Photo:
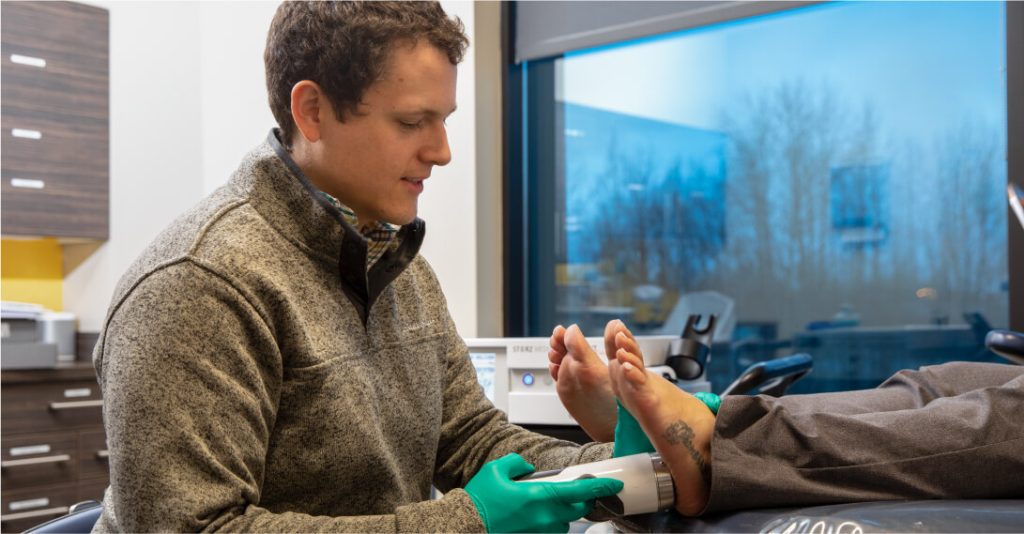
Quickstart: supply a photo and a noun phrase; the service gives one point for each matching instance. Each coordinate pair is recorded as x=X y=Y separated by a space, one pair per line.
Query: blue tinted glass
x=828 y=180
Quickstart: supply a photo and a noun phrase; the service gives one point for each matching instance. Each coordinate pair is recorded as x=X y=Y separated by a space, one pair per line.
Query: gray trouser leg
x=946 y=431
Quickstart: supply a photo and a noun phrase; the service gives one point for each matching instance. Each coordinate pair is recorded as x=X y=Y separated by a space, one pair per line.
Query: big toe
x=577 y=344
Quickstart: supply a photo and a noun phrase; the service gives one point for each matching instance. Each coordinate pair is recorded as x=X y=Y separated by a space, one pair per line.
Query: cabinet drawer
x=56 y=57
x=62 y=205
x=62 y=146
x=25 y=508
x=54 y=406
x=39 y=459
x=93 y=454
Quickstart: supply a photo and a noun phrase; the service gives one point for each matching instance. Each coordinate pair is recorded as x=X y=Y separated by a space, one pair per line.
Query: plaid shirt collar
x=380 y=236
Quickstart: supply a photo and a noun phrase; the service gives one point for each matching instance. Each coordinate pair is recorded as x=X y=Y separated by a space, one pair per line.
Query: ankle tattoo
x=680 y=433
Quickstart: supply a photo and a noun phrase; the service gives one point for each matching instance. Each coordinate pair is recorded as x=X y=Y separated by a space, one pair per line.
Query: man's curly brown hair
x=344 y=47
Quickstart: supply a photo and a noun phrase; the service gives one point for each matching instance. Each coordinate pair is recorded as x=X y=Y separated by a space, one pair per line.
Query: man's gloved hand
x=629 y=437
x=509 y=506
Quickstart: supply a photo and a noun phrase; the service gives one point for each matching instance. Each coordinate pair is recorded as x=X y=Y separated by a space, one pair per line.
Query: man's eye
x=411 y=125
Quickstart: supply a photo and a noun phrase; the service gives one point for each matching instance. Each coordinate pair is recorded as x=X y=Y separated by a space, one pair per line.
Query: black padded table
x=885 y=516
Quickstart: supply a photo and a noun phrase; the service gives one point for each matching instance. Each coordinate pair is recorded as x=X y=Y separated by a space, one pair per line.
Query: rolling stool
x=79 y=520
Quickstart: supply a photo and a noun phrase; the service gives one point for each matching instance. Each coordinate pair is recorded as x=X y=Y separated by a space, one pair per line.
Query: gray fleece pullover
x=257 y=378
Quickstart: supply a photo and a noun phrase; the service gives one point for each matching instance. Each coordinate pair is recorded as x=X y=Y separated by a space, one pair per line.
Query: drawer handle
x=28 y=60
x=103 y=455
x=28 y=450
x=58 y=510
x=25 y=133
x=77 y=392
x=27 y=183
x=72 y=405
x=55 y=459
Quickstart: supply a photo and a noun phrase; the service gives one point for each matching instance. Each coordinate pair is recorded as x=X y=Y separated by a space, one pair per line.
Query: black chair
x=1006 y=343
x=771 y=377
x=80 y=519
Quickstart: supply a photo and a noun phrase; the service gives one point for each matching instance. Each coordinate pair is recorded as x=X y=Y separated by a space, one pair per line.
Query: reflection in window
x=833 y=175
x=860 y=203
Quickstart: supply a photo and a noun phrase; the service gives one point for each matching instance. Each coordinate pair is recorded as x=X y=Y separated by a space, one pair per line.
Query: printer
x=33 y=337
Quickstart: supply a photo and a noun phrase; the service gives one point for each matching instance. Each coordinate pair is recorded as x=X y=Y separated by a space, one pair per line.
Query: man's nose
x=438 y=153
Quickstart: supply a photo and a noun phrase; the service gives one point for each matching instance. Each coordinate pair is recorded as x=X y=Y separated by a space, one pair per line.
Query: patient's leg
x=679 y=426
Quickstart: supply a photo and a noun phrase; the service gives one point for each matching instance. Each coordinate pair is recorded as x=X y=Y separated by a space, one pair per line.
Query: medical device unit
x=647 y=483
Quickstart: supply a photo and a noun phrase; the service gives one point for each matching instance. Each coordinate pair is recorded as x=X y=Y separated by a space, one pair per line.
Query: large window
x=828 y=179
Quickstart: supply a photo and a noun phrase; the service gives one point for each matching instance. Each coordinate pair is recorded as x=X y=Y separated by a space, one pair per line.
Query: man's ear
x=307 y=101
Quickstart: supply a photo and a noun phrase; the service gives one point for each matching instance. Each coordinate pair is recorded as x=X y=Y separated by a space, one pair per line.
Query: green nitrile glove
x=629 y=437
x=509 y=506
x=712 y=401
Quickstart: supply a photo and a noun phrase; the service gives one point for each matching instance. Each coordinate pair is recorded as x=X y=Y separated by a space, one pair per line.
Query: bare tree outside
x=968 y=241
x=786 y=143
x=798 y=153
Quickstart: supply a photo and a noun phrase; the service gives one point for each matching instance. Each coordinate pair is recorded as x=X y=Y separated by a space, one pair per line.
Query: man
x=281 y=358
x=942 y=432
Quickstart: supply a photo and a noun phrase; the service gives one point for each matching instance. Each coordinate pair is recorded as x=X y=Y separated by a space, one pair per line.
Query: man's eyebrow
x=429 y=112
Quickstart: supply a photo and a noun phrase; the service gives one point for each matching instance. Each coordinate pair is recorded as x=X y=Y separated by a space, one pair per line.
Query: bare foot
x=582 y=381
x=679 y=426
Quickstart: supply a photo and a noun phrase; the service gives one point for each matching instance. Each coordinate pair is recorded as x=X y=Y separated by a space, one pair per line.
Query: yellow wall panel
x=31 y=271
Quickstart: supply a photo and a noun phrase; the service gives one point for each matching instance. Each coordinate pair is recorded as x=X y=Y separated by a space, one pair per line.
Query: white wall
x=188 y=100
x=236 y=116
x=156 y=156
x=448 y=203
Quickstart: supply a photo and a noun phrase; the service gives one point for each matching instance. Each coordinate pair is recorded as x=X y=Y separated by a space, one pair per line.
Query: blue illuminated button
x=528 y=379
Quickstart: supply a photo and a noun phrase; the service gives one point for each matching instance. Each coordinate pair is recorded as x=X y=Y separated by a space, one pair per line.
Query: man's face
x=377 y=160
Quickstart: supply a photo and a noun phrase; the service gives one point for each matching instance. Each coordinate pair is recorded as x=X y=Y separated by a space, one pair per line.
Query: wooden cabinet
x=54 y=450
x=55 y=117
